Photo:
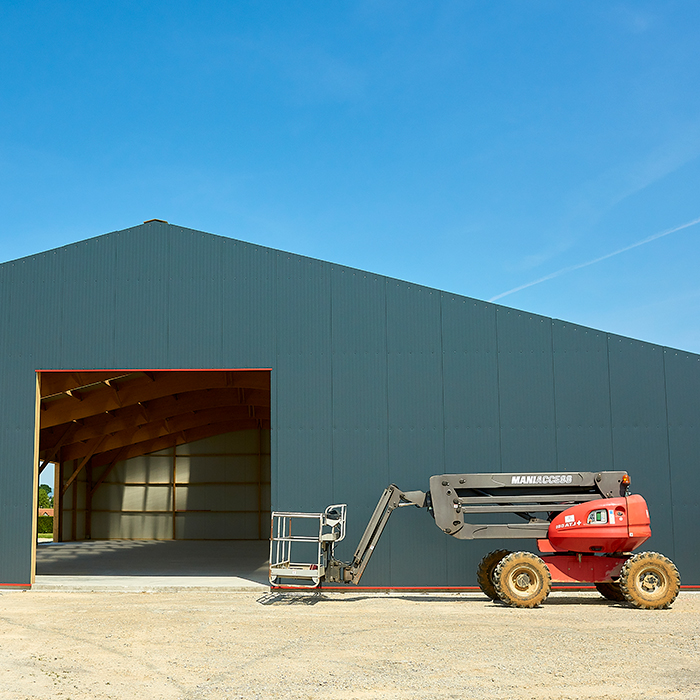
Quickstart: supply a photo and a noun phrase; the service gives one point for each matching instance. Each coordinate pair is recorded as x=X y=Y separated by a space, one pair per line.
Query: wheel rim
x=524 y=581
x=651 y=583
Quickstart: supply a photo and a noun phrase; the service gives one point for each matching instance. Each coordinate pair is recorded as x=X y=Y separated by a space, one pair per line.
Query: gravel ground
x=193 y=645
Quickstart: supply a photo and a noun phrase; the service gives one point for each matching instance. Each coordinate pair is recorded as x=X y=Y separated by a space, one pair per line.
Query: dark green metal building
x=372 y=380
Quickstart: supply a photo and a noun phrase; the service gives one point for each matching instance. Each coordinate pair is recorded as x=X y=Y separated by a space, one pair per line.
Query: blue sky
x=476 y=147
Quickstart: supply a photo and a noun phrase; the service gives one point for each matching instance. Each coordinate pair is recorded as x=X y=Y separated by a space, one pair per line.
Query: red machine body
x=605 y=525
x=582 y=568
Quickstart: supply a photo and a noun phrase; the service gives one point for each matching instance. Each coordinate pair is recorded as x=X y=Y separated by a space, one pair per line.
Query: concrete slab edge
x=107 y=588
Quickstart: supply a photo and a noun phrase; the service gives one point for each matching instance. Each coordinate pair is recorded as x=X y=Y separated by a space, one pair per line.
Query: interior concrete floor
x=152 y=565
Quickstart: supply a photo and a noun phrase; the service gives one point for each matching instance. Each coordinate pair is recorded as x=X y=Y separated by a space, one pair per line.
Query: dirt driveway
x=197 y=644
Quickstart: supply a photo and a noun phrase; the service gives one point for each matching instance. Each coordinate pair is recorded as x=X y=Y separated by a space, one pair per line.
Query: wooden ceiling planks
x=151 y=411
x=104 y=414
x=139 y=388
x=161 y=428
x=53 y=383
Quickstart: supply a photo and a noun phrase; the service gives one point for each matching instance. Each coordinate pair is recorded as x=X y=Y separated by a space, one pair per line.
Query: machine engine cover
x=604 y=525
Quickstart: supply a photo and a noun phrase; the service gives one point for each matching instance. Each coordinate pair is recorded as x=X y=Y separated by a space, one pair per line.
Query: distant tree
x=45 y=499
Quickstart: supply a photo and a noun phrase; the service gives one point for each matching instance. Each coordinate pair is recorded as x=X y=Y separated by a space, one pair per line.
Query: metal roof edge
x=235 y=241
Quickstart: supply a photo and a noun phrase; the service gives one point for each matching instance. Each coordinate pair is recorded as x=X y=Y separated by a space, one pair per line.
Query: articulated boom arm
x=390 y=500
x=454 y=496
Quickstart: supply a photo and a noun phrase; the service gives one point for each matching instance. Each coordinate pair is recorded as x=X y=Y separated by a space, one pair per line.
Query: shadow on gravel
x=573 y=599
x=291 y=599
x=297 y=598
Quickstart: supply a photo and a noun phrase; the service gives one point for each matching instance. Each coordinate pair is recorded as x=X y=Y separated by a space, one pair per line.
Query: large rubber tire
x=611 y=591
x=484 y=572
x=650 y=581
x=522 y=580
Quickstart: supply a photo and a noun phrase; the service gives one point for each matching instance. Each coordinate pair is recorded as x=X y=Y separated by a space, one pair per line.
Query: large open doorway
x=162 y=456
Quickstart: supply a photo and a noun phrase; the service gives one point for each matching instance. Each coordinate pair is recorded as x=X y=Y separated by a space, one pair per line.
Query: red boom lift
x=586 y=525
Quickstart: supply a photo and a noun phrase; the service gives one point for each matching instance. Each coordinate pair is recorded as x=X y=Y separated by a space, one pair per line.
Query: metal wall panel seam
x=62 y=315
x=195 y=272
x=554 y=397
x=222 y=312
x=442 y=385
x=386 y=394
x=446 y=570
x=498 y=388
x=527 y=408
x=88 y=292
x=612 y=420
x=641 y=445
x=331 y=359
x=114 y=301
x=274 y=390
x=582 y=397
x=668 y=451
x=359 y=404
x=168 y=314
x=274 y=394
x=303 y=367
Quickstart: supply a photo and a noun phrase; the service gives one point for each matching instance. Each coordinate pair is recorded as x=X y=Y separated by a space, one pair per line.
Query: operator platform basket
x=314 y=536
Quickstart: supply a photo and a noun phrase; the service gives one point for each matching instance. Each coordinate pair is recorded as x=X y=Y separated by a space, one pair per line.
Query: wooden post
x=88 y=502
x=58 y=502
x=260 y=514
x=74 y=512
x=173 y=489
x=35 y=473
x=56 y=499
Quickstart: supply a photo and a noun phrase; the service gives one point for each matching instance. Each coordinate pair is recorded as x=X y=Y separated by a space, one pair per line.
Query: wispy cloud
x=571 y=268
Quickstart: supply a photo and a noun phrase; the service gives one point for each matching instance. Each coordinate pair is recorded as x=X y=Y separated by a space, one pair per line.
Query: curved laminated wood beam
x=104 y=417
x=140 y=388
x=149 y=412
x=162 y=428
x=181 y=438
x=58 y=382
x=93 y=446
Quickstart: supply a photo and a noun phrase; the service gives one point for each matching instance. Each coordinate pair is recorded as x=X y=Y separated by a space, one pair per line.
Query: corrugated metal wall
x=373 y=380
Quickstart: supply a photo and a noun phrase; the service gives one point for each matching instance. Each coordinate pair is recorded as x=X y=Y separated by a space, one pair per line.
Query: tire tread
x=631 y=569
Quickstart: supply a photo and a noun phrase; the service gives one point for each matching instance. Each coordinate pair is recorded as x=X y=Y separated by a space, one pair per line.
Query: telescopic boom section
x=392 y=498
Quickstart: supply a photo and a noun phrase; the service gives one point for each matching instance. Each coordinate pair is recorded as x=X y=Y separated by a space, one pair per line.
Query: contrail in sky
x=597 y=260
